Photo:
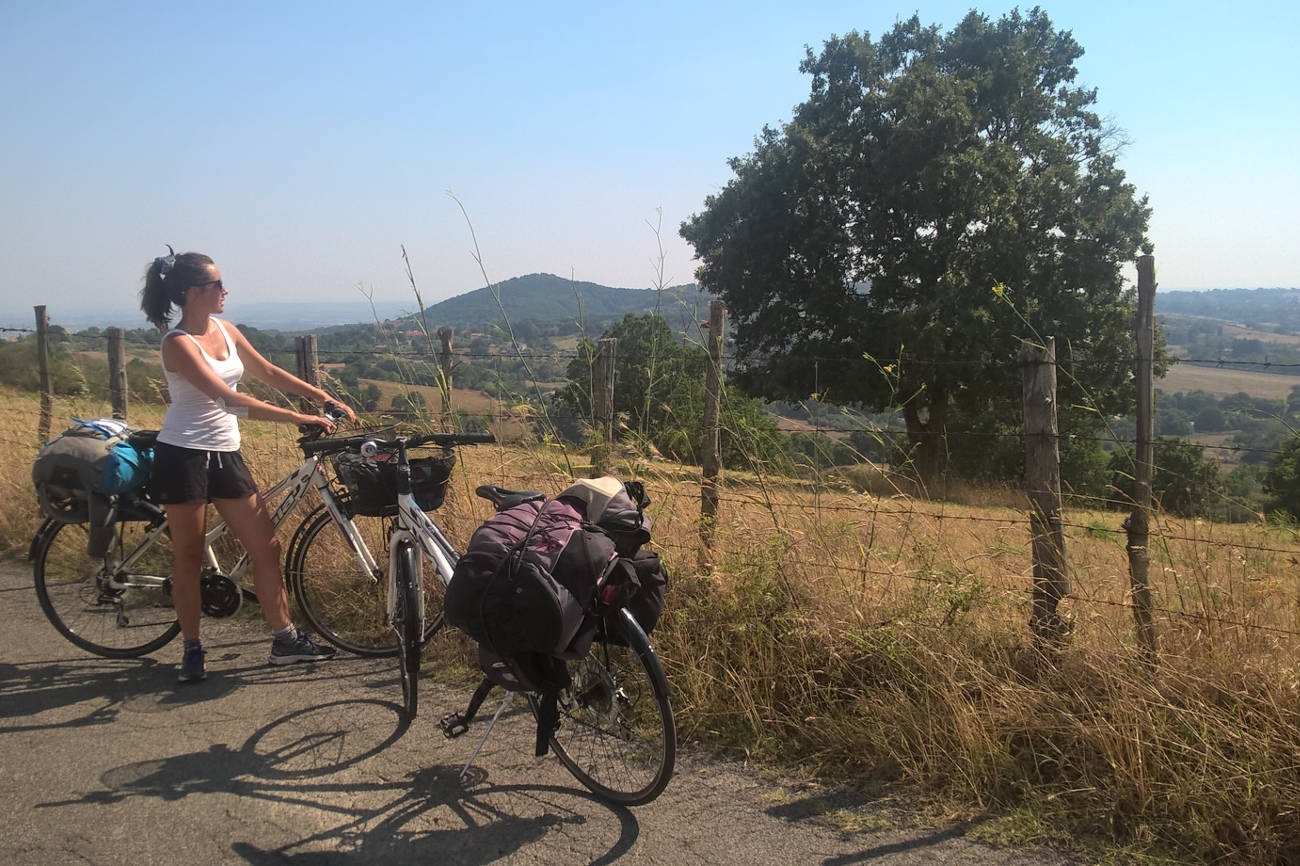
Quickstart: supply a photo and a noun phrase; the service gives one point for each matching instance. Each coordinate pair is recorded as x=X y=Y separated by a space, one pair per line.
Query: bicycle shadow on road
x=379 y=813
x=35 y=689
x=491 y=825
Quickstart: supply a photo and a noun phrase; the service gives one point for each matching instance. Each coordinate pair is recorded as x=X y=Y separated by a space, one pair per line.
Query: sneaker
x=299 y=649
x=192 y=667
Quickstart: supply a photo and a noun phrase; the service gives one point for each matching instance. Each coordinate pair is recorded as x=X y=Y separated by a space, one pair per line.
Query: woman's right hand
x=307 y=421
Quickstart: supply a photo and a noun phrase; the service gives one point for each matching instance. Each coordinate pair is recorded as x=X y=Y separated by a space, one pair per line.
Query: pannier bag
x=89 y=458
x=372 y=482
x=527 y=580
x=525 y=587
x=642 y=580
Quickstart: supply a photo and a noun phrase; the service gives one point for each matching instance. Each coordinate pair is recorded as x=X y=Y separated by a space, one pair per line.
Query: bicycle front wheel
x=407 y=625
x=75 y=595
x=342 y=601
x=616 y=732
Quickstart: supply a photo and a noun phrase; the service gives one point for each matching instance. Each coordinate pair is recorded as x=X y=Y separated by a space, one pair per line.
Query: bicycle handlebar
x=354 y=443
x=315 y=431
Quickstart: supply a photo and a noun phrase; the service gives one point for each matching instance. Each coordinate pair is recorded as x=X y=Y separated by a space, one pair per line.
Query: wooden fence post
x=117 y=372
x=1043 y=484
x=446 y=336
x=308 y=368
x=711 y=452
x=602 y=404
x=43 y=371
x=1138 y=524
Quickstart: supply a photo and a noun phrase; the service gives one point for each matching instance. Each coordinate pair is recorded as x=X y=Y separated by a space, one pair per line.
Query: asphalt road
x=110 y=762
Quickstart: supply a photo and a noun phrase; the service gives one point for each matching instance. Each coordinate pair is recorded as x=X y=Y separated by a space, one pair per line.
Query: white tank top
x=193 y=419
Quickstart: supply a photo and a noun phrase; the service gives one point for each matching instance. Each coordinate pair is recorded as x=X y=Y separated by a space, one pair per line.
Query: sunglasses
x=216 y=283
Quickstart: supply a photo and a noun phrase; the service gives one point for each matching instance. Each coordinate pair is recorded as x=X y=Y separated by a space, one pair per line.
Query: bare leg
x=187 y=525
x=251 y=524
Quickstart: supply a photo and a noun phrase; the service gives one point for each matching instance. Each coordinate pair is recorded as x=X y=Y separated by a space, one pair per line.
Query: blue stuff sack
x=127 y=468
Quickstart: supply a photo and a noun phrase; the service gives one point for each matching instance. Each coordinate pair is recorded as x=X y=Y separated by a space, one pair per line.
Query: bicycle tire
x=616 y=734
x=407 y=625
x=344 y=604
x=76 y=599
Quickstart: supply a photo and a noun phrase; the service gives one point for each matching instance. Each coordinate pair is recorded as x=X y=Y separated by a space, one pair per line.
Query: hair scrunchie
x=166 y=263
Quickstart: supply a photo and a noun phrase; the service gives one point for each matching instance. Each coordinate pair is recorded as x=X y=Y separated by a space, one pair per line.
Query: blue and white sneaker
x=299 y=649
x=192 y=666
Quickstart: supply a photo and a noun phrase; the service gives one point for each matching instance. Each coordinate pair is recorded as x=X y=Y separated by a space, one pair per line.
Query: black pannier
x=372 y=482
x=525 y=587
x=527 y=580
x=642 y=579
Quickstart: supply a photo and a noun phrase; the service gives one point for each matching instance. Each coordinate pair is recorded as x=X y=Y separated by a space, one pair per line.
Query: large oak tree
x=923 y=170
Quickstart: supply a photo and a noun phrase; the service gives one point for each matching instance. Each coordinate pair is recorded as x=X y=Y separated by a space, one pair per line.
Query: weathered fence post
x=1043 y=484
x=117 y=372
x=308 y=367
x=711 y=451
x=446 y=336
x=602 y=404
x=1138 y=524
x=43 y=371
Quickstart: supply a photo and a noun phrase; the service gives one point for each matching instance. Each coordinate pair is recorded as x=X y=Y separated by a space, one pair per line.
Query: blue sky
x=301 y=144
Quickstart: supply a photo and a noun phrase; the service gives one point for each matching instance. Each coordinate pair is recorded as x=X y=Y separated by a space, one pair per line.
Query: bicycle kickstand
x=505 y=702
x=455 y=724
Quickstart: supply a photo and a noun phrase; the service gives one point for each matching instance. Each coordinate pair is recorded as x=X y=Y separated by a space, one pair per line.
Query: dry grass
x=882 y=640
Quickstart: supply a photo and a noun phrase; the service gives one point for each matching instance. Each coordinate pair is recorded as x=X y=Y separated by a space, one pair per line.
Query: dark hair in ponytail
x=165 y=282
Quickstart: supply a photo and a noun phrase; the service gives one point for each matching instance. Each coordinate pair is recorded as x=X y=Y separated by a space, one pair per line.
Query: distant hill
x=540 y=298
x=544 y=298
x=1275 y=310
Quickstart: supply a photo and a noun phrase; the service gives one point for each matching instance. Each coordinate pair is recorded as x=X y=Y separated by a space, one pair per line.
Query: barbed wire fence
x=815 y=495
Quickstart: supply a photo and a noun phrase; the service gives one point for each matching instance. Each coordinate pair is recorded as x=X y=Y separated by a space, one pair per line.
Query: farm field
x=1241 y=332
x=473 y=402
x=1222 y=381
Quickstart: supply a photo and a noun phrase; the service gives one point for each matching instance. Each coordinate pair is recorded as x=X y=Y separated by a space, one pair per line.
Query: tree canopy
x=858 y=247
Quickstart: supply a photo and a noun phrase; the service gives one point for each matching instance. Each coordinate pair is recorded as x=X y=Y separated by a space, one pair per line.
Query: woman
x=197 y=457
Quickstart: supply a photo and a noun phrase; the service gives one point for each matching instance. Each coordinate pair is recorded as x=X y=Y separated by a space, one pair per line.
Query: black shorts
x=188 y=475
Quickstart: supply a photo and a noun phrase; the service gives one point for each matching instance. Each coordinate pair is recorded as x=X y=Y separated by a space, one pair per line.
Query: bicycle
x=615 y=730
x=616 y=733
x=340 y=601
x=119 y=605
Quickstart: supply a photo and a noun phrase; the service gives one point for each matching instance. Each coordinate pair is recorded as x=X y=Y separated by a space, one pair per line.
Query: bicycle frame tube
x=292 y=488
x=434 y=544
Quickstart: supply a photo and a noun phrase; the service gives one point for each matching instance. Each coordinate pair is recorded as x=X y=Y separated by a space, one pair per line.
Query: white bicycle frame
x=411 y=524
x=293 y=488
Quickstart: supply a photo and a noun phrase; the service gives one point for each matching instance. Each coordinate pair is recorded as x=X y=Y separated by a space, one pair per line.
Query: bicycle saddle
x=505 y=499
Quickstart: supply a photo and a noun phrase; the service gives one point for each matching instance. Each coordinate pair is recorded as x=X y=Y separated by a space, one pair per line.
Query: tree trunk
x=926 y=437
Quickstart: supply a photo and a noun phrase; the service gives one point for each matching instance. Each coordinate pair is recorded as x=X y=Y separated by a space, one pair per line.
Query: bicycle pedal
x=453 y=725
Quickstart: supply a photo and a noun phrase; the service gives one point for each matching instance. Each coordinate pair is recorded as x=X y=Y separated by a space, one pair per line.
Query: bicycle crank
x=221 y=595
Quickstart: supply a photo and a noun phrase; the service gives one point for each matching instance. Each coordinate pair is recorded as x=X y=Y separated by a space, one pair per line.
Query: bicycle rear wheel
x=343 y=603
x=616 y=733
x=407 y=625
x=76 y=597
